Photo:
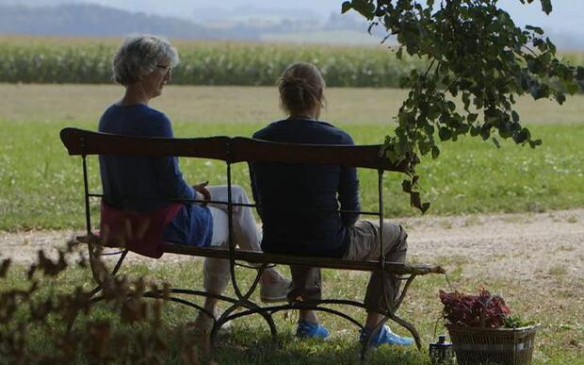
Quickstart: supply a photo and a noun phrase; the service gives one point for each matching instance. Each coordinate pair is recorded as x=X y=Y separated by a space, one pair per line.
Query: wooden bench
x=236 y=150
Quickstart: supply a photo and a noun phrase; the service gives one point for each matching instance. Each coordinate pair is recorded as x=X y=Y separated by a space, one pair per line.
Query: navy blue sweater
x=310 y=194
x=147 y=183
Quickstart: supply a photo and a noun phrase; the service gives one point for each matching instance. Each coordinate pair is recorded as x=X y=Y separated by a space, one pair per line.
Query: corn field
x=88 y=61
x=62 y=60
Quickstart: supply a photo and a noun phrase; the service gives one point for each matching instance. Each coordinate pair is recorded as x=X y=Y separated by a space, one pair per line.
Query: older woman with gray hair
x=143 y=65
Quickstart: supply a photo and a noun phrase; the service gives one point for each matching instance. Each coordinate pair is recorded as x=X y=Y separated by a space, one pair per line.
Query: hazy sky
x=567 y=16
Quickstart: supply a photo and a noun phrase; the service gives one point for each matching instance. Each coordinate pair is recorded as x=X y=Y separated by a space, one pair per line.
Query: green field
x=471 y=176
x=41 y=188
x=249 y=341
x=87 y=61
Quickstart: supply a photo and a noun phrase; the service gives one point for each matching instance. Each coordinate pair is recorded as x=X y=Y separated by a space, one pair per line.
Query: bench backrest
x=231 y=150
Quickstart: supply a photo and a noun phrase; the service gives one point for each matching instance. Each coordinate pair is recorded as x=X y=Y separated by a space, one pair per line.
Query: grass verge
x=559 y=341
x=42 y=186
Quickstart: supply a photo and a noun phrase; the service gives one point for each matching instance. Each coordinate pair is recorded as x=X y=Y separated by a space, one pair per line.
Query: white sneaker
x=276 y=291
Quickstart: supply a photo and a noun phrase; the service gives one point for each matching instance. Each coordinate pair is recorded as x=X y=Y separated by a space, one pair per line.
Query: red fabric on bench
x=139 y=232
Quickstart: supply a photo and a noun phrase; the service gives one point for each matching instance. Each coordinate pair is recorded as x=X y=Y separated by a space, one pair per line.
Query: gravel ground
x=527 y=247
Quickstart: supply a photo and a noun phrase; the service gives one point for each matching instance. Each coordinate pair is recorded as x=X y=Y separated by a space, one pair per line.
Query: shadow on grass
x=247 y=346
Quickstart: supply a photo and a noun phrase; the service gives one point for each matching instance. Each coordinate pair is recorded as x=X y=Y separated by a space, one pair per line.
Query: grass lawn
x=249 y=341
x=41 y=188
x=470 y=176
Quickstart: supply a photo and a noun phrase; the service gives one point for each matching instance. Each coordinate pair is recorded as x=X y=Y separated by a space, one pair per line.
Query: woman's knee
x=403 y=237
x=396 y=235
x=238 y=193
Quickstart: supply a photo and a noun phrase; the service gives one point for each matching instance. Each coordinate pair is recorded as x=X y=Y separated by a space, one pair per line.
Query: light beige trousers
x=245 y=234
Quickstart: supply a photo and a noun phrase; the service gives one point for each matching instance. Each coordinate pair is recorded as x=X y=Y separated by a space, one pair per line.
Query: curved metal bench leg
x=224 y=318
x=403 y=293
x=245 y=302
x=410 y=327
x=96 y=273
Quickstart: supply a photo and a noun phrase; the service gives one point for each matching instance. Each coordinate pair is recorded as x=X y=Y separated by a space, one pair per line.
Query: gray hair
x=139 y=55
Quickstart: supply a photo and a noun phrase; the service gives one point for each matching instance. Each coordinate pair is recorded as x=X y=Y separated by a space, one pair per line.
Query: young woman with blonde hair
x=315 y=227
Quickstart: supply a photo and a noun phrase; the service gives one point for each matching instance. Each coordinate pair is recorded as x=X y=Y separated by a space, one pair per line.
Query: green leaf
x=445 y=134
x=425 y=207
x=346 y=7
x=580 y=73
x=540 y=91
x=546 y=6
x=573 y=88
x=466 y=100
x=534 y=144
x=485 y=133
x=407 y=186
x=536 y=30
x=521 y=136
x=415 y=199
x=496 y=142
x=435 y=152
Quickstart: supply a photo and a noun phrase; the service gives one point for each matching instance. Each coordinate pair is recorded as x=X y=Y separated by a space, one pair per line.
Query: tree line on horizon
x=97 y=20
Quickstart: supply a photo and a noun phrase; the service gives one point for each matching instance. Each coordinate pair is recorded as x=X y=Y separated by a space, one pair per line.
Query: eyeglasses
x=167 y=69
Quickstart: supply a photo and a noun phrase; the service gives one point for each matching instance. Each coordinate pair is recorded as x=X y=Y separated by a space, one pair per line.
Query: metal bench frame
x=234 y=150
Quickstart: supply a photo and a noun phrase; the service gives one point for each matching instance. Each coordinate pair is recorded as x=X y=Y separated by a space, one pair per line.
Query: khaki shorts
x=364 y=244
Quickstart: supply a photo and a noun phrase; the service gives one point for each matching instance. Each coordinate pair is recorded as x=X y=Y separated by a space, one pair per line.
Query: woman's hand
x=202 y=189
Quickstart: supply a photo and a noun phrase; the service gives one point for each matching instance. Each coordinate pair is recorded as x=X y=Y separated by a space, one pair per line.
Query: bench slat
x=267 y=258
x=364 y=156
x=82 y=142
x=324 y=262
x=239 y=149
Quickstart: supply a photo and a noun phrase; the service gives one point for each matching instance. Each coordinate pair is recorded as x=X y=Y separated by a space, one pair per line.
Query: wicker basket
x=472 y=345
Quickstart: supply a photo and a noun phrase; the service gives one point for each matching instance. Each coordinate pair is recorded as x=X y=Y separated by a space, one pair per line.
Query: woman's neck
x=313 y=115
x=302 y=116
x=135 y=94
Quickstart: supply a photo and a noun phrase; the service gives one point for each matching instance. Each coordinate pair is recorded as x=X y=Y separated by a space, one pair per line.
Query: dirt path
x=526 y=247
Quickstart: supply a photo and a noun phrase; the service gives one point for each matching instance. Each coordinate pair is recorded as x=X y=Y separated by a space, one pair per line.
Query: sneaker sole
x=273 y=300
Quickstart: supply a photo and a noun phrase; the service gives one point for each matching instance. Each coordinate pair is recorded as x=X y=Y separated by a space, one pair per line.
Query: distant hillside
x=83 y=19
x=250 y=23
x=95 y=20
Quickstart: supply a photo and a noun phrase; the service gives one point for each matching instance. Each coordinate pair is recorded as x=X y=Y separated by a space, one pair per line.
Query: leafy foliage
x=27 y=312
x=478 y=56
x=517 y=322
x=483 y=310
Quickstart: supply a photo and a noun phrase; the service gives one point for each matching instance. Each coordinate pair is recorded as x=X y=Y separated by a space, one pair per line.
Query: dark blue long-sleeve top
x=148 y=183
x=299 y=202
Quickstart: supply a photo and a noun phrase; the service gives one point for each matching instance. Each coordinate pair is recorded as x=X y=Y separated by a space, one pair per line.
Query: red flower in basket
x=483 y=310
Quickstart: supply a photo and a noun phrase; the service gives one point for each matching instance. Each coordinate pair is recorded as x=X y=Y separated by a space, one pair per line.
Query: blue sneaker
x=311 y=330
x=385 y=336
